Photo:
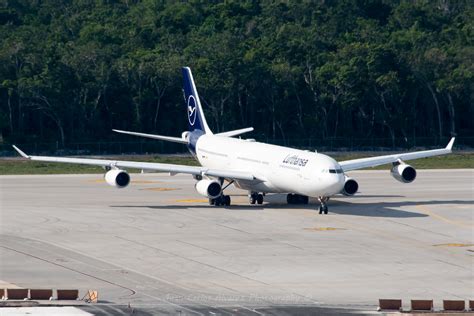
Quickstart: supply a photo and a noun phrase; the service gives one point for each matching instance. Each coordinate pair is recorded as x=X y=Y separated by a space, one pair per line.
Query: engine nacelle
x=185 y=135
x=403 y=173
x=117 y=178
x=350 y=187
x=209 y=188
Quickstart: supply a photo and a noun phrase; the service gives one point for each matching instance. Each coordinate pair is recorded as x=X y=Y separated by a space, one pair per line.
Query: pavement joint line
x=420 y=228
x=207 y=249
x=426 y=211
x=205 y=264
x=385 y=234
x=193 y=260
x=104 y=280
x=100 y=279
x=174 y=304
x=454 y=245
x=70 y=269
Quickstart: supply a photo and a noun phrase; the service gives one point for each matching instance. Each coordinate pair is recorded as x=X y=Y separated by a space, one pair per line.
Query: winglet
x=450 y=144
x=21 y=152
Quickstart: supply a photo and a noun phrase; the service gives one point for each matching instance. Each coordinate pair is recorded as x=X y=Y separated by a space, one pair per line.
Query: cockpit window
x=332 y=171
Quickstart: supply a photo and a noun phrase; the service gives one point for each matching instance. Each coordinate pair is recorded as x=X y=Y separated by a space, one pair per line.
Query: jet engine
x=117 y=178
x=185 y=135
x=209 y=188
x=350 y=187
x=403 y=173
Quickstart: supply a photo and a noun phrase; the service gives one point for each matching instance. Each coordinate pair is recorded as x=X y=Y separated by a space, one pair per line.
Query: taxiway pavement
x=158 y=246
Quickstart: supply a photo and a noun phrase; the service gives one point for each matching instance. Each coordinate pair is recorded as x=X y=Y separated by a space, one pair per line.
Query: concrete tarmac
x=160 y=248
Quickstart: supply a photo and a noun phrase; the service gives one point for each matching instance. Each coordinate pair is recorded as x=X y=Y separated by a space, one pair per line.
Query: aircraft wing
x=171 y=168
x=382 y=160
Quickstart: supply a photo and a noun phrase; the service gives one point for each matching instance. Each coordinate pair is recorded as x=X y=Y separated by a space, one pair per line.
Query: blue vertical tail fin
x=196 y=118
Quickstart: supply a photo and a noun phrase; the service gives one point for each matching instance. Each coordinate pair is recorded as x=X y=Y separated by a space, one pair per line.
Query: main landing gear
x=255 y=197
x=323 y=208
x=221 y=200
x=297 y=199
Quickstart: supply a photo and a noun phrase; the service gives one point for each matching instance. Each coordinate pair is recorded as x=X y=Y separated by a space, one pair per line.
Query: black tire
x=218 y=201
x=325 y=209
x=260 y=199
x=252 y=200
x=290 y=199
x=211 y=202
x=226 y=200
x=321 y=210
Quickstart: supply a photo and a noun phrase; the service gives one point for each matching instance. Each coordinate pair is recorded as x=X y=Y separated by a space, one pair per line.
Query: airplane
x=259 y=168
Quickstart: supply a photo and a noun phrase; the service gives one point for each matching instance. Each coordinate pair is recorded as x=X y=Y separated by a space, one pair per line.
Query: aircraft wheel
x=226 y=200
x=290 y=199
x=304 y=200
x=253 y=196
x=260 y=199
x=252 y=200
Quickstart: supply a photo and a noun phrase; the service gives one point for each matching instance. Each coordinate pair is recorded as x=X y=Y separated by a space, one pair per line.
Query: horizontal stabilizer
x=235 y=132
x=160 y=137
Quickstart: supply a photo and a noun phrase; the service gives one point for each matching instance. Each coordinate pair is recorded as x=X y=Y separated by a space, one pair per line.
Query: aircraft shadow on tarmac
x=386 y=209
x=369 y=209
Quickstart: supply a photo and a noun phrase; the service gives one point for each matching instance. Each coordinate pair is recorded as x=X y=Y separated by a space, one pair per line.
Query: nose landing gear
x=323 y=208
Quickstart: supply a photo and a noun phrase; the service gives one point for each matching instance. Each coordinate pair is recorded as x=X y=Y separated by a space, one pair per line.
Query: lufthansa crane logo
x=191 y=110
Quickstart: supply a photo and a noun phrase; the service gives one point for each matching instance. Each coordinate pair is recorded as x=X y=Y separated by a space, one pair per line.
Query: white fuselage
x=282 y=169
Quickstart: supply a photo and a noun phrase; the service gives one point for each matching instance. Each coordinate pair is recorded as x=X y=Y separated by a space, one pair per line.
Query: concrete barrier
x=68 y=294
x=421 y=305
x=17 y=294
x=41 y=294
x=454 y=305
x=390 y=304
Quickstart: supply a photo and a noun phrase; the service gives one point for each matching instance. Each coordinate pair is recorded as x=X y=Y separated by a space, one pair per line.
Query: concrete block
x=41 y=294
x=17 y=294
x=68 y=294
x=421 y=305
x=390 y=304
x=454 y=305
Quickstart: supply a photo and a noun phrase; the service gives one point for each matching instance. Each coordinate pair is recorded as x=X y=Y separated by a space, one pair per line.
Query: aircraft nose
x=339 y=182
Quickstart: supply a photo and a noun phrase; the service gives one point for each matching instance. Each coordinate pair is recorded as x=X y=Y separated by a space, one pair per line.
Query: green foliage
x=71 y=71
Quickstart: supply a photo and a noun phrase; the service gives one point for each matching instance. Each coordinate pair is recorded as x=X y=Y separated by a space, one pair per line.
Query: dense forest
x=72 y=70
